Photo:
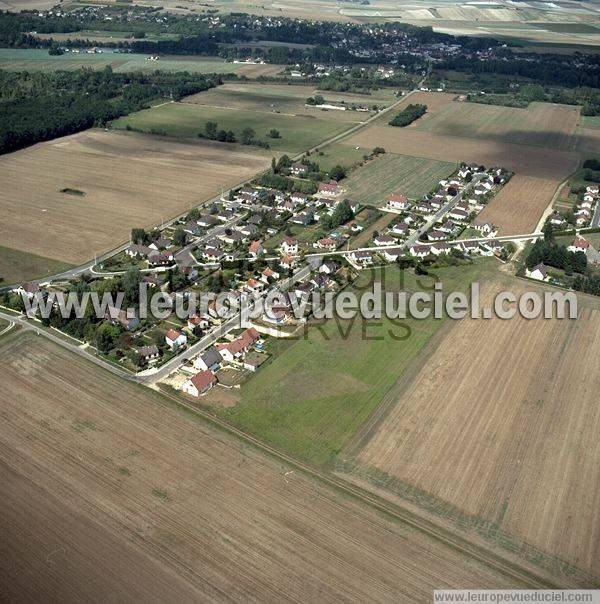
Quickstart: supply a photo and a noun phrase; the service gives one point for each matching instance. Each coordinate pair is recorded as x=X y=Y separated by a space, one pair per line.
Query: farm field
x=288 y=99
x=311 y=398
x=435 y=101
x=298 y=133
x=522 y=159
x=113 y=491
x=541 y=124
x=128 y=181
x=25 y=59
x=17 y=266
x=510 y=455
x=518 y=207
x=391 y=173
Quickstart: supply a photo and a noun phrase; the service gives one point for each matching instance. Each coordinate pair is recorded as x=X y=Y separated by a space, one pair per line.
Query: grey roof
x=211 y=356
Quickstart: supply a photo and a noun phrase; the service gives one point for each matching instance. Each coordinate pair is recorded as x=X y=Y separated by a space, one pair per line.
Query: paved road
x=153 y=375
x=596 y=217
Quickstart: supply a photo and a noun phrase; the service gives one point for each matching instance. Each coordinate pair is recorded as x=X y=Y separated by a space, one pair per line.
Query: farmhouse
x=201 y=383
x=175 y=339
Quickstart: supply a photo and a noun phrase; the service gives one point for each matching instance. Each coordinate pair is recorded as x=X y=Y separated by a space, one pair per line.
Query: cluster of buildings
x=585 y=210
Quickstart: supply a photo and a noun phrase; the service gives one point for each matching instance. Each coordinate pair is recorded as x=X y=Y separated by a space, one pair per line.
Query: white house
x=539 y=273
x=289 y=246
x=201 y=383
x=175 y=339
x=398 y=202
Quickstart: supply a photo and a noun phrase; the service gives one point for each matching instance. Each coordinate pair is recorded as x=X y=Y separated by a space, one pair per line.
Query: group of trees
x=212 y=132
x=342 y=214
x=42 y=106
x=408 y=115
x=548 y=252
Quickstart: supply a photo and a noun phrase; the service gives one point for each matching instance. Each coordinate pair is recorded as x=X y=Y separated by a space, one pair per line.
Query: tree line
x=43 y=106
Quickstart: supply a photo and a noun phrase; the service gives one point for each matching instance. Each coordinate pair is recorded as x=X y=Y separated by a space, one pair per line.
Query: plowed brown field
x=110 y=492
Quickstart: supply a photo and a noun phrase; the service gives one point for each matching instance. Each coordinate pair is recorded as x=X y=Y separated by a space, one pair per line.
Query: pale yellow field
x=128 y=181
x=517 y=208
x=500 y=427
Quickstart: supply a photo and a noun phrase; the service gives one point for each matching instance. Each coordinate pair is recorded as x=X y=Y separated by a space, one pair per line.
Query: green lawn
x=340 y=154
x=590 y=120
x=315 y=394
x=391 y=173
x=17 y=266
x=186 y=120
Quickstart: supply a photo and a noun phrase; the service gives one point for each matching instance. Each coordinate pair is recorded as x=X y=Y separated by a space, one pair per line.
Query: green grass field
x=18 y=59
x=17 y=266
x=342 y=154
x=391 y=173
x=590 y=121
x=315 y=394
x=290 y=99
x=187 y=120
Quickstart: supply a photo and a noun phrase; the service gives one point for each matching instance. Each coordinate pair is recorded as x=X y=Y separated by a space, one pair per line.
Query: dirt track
x=225 y=520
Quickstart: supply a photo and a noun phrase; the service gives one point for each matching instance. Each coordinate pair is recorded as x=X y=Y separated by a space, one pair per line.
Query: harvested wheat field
x=540 y=124
x=518 y=207
x=498 y=432
x=522 y=159
x=114 y=182
x=113 y=489
x=435 y=102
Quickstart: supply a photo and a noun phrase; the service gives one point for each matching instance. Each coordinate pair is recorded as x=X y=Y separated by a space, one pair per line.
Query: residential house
x=120 y=315
x=207 y=221
x=487 y=229
x=362 y=257
x=398 y=202
x=391 y=254
x=435 y=235
x=148 y=354
x=298 y=198
x=175 y=339
x=329 y=268
x=400 y=229
x=420 y=251
x=299 y=169
x=139 y=251
x=268 y=275
x=327 y=243
x=303 y=218
x=380 y=240
x=200 y=384
x=579 y=244
x=236 y=349
x=458 y=214
x=27 y=289
x=441 y=248
x=288 y=261
x=252 y=286
x=191 y=227
x=289 y=245
x=209 y=360
x=256 y=249
x=539 y=273
x=329 y=189
x=198 y=322
x=160 y=259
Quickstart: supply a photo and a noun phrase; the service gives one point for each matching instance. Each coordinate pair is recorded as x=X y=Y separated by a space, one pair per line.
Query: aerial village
x=254 y=240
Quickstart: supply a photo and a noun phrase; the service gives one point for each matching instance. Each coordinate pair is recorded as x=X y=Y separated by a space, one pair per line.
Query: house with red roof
x=200 y=384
